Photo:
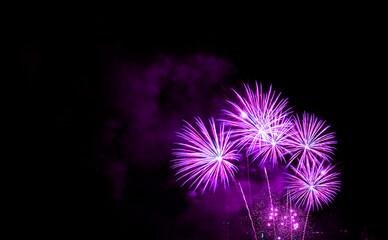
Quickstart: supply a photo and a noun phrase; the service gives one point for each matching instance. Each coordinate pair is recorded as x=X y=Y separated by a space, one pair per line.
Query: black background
x=327 y=64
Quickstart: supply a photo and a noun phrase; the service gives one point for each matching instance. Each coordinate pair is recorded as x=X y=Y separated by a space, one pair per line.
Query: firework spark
x=259 y=122
x=288 y=220
x=311 y=186
x=205 y=157
x=310 y=140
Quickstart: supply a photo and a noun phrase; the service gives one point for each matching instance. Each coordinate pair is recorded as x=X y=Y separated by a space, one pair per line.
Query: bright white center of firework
x=244 y=115
x=311 y=187
x=219 y=158
x=307 y=147
x=323 y=172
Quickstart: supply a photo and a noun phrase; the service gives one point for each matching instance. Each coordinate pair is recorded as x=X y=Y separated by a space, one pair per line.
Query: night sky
x=103 y=96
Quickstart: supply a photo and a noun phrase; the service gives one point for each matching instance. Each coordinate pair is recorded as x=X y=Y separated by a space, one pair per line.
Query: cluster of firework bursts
x=260 y=126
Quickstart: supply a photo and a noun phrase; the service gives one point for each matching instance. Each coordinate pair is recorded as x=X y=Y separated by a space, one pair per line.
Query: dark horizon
x=103 y=130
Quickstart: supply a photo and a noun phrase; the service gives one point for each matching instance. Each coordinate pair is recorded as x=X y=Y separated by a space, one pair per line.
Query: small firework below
x=287 y=222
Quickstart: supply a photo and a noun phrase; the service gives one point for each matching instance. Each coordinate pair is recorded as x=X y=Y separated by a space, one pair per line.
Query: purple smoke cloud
x=152 y=98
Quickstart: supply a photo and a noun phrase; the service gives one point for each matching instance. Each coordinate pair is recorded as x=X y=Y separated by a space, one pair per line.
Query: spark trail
x=305 y=223
x=270 y=198
x=249 y=212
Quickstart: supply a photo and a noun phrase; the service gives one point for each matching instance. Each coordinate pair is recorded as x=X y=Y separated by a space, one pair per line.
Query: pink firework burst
x=259 y=122
x=276 y=145
x=311 y=140
x=311 y=186
x=205 y=157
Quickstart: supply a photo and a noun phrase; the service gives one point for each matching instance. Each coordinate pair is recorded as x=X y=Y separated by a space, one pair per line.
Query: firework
x=205 y=157
x=259 y=122
x=313 y=185
x=311 y=140
x=276 y=145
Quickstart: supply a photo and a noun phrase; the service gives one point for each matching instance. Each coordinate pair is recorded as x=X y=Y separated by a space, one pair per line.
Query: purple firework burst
x=311 y=186
x=260 y=123
x=276 y=145
x=204 y=157
x=311 y=140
